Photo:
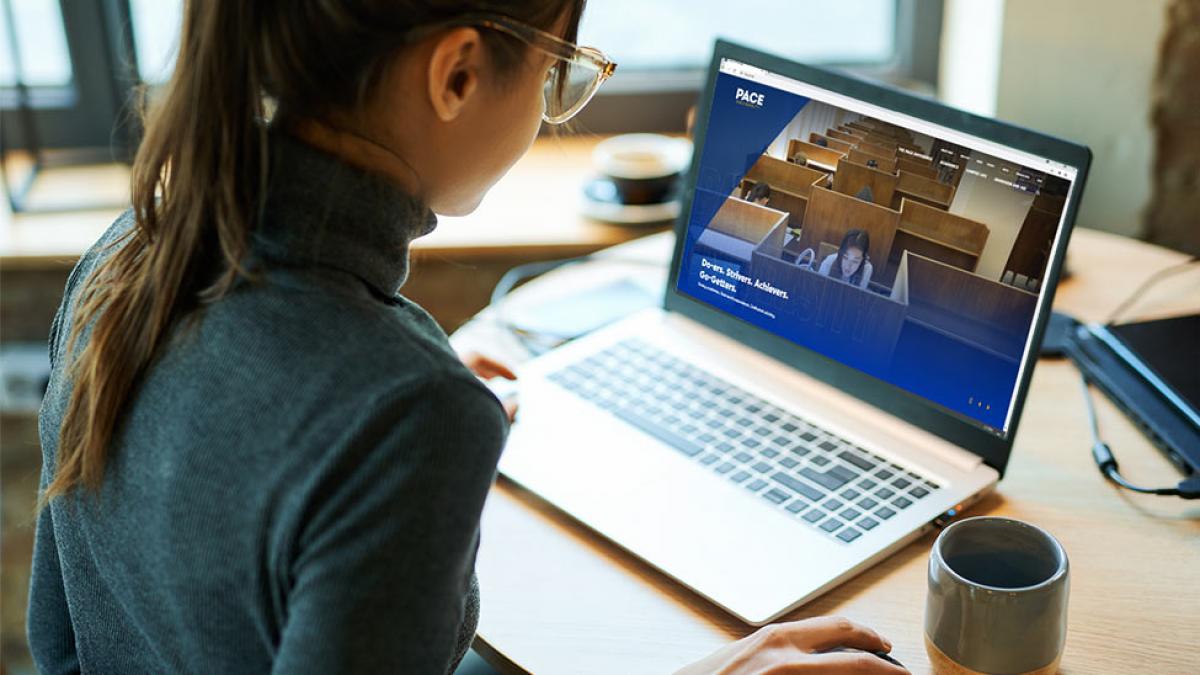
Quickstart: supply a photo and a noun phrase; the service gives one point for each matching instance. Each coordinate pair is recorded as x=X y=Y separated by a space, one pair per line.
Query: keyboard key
x=849 y=534
x=789 y=427
x=776 y=496
x=814 y=515
x=731 y=433
x=849 y=493
x=763 y=431
x=885 y=513
x=884 y=493
x=856 y=460
x=750 y=442
x=724 y=446
x=754 y=407
x=653 y=429
x=828 y=446
x=756 y=485
x=796 y=506
x=808 y=436
x=781 y=440
x=743 y=457
x=762 y=467
x=850 y=514
x=797 y=485
x=832 y=504
x=867 y=523
x=819 y=460
x=867 y=483
x=789 y=462
x=842 y=472
x=707 y=438
x=883 y=474
x=799 y=450
x=825 y=480
x=724 y=468
x=918 y=492
x=901 y=483
x=831 y=524
x=771 y=417
x=902 y=502
x=739 y=476
x=744 y=421
x=868 y=503
x=709 y=459
x=769 y=453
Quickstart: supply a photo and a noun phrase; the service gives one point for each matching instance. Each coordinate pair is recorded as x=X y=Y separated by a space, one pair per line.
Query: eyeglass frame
x=547 y=43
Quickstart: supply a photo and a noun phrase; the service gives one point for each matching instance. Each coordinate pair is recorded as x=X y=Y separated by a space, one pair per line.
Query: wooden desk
x=558 y=599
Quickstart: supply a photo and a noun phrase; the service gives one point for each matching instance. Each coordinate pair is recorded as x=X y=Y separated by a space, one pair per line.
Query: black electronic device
x=1151 y=371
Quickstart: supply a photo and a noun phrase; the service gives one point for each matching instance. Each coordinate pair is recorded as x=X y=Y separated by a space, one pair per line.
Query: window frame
x=90 y=113
x=651 y=100
x=93 y=111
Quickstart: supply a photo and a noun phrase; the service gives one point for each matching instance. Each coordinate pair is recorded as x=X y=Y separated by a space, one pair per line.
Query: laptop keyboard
x=809 y=473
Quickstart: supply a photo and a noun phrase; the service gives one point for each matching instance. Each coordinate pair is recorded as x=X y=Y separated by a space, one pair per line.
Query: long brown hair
x=200 y=174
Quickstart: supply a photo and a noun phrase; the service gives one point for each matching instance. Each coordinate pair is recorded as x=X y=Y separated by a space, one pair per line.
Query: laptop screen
x=912 y=252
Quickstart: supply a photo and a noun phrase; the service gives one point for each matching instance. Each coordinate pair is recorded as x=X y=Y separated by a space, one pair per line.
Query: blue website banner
x=871 y=329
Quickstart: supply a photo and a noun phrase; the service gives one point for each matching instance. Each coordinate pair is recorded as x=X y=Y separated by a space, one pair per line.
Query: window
x=678 y=34
x=41 y=48
x=156 y=25
x=663 y=48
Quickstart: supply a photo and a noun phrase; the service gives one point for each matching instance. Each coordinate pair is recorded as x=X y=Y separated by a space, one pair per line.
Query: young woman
x=259 y=457
x=759 y=194
x=850 y=263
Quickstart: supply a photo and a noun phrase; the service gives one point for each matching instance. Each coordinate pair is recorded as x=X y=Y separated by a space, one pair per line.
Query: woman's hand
x=798 y=646
x=486 y=368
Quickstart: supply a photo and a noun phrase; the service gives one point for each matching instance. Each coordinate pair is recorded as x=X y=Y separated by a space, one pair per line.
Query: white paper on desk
x=580 y=313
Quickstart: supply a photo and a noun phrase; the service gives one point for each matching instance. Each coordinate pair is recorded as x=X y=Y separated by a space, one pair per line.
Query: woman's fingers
x=827 y=632
x=486 y=367
x=855 y=663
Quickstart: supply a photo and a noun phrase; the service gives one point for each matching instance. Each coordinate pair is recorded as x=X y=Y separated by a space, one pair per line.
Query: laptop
x=830 y=374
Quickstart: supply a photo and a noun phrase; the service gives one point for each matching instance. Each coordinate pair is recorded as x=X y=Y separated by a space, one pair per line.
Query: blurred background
x=1118 y=76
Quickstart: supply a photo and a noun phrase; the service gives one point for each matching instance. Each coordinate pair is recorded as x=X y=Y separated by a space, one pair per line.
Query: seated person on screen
x=798 y=157
x=759 y=194
x=872 y=164
x=820 y=140
x=850 y=263
x=865 y=194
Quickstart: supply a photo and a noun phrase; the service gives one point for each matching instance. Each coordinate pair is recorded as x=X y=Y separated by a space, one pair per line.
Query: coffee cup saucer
x=600 y=201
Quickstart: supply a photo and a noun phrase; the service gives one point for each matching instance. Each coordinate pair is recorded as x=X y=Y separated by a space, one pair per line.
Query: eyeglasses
x=572 y=82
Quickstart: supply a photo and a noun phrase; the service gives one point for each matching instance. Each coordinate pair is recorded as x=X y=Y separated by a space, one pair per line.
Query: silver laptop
x=836 y=367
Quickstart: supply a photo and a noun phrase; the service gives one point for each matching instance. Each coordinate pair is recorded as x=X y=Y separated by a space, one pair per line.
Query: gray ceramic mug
x=997 y=598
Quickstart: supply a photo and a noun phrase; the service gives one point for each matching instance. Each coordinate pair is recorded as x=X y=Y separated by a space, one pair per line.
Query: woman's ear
x=454 y=68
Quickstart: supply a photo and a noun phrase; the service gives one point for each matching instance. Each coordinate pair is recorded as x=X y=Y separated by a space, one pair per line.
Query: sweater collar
x=323 y=212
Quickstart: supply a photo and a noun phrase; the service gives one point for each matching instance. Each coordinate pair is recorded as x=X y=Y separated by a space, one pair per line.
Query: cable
x=1154 y=279
x=1189 y=488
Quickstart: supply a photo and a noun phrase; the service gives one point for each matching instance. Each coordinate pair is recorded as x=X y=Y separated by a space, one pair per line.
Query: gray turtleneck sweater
x=296 y=485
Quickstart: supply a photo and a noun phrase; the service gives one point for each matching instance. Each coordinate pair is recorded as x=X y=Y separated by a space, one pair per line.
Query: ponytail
x=197 y=180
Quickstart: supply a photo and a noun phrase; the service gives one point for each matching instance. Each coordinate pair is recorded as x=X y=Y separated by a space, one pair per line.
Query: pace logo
x=750 y=99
